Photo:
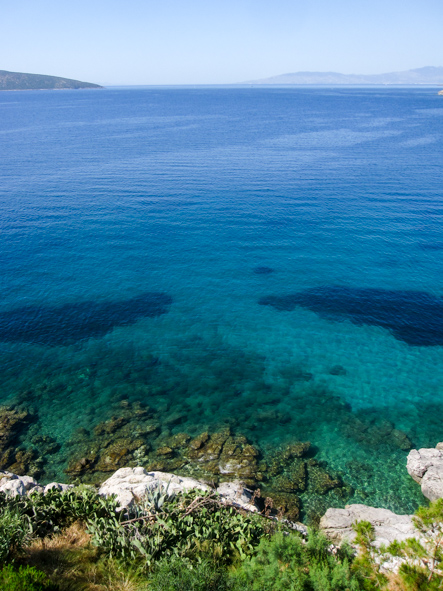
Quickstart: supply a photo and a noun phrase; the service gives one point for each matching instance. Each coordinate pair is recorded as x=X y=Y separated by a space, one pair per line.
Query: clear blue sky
x=217 y=41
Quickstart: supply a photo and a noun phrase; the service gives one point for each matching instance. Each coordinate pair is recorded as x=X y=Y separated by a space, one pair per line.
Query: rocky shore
x=128 y=484
x=136 y=435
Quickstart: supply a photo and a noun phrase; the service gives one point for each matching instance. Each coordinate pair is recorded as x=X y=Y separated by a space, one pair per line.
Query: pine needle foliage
x=285 y=562
x=25 y=579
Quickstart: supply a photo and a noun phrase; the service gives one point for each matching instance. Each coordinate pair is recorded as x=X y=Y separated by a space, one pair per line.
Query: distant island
x=427 y=75
x=20 y=81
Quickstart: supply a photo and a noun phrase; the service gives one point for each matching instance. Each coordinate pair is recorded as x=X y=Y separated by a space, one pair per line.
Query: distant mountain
x=428 y=75
x=20 y=81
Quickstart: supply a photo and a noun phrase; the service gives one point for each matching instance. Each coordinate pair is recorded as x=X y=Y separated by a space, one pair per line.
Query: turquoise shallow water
x=269 y=257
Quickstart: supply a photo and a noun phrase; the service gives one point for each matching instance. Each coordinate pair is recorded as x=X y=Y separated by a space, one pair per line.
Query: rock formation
x=12 y=484
x=130 y=484
x=388 y=526
x=426 y=467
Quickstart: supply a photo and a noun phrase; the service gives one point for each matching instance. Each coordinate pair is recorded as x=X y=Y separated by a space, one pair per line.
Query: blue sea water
x=277 y=251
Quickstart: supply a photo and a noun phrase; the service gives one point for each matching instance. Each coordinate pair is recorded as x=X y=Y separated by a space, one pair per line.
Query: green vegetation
x=25 y=579
x=285 y=562
x=192 y=542
x=21 y=81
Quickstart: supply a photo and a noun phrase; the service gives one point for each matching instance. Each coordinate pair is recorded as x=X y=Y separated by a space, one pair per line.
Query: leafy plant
x=15 y=532
x=49 y=513
x=155 y=497
x=24 y=579
x=194 y=525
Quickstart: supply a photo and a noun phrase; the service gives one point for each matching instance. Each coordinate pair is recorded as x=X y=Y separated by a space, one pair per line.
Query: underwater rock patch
x=65 y=325
x=285 y=474
x=337 y=370
x=14 y=422
x=262 y=270
x=414 y=317
x=374 y=432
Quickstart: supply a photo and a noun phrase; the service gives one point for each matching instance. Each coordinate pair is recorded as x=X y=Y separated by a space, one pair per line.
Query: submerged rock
x=414 y=317
x=124 y=442
x=12 y=422
x=286 y=504
x=320 y=481
x=262 y=270
x=65 y=325
x=373 y=431
x=337 y=370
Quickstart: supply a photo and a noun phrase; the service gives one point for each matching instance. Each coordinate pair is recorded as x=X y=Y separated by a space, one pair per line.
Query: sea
x=265 y=257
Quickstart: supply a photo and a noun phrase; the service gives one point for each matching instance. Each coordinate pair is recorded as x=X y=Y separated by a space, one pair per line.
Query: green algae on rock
x=285 y=474
x=13 y=456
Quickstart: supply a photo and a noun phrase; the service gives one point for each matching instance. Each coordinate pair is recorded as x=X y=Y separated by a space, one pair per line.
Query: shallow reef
x=414 y=317
x=133 y=438
x=216 y=414
x=64 y=325
x=262 y=270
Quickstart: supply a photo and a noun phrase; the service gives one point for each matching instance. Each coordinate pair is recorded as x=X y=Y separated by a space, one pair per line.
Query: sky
x=143 y=42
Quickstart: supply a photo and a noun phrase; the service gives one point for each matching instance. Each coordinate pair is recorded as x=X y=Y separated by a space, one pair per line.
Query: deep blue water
x=154 y=223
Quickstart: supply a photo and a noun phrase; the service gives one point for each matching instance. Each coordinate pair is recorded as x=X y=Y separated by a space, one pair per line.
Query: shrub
x=421 y=569
x=422 y=559
x=179 y=575
x=192 y=525
x=365 y=566
x=49 y=513
x=25 y=579
x=286 y=563
x=15 y=532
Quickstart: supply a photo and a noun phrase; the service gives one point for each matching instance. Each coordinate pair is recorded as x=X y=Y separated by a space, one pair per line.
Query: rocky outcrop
x=130 y=484
x=337 y=524
x=234 y=493
x=426 y=467
x=13 y=485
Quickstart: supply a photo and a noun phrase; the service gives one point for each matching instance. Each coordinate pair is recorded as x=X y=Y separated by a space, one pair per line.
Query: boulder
x=14 y=485
x=129 y=484
x=426 y=467
x=388 y=526
x=234 y=493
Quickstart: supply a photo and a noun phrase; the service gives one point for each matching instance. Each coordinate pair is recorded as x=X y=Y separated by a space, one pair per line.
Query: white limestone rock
x=388 y=526
x=129 y=484
x=426 y=467
x=420 y=460
x=14 y=485
x=234 y=493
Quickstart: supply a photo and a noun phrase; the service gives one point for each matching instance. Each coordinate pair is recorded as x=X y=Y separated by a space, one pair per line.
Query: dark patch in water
x=337 y=370
x=263 y=270
x=431 y=245
x=70 y=323
x=414 y=317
